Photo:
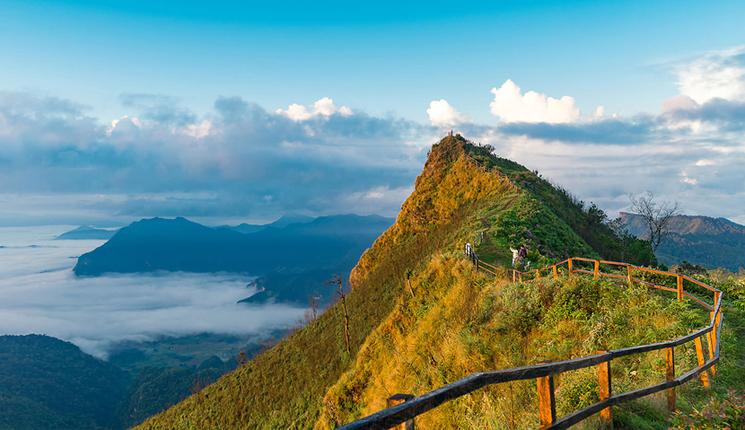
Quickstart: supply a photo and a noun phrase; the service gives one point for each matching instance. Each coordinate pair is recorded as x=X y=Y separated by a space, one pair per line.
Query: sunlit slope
x=458 y=322
x=463 y=194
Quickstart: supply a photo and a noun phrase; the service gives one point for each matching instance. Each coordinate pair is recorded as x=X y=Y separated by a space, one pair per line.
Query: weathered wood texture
x=605 y=392
x=670 y=376
x=395 y=400
x=546 y=401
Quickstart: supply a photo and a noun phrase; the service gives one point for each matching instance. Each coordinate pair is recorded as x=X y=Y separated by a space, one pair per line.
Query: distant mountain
x=85 y=232
x=281 y=222
x=710 y=242
x=286 y=220
x=245 y=228
x=282 y=252
x=46 y=383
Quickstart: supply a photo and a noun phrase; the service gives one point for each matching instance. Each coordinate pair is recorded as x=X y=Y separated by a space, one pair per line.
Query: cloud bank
x=241 y=161
x=40 y=294
x=236 y=161
x=691 y=151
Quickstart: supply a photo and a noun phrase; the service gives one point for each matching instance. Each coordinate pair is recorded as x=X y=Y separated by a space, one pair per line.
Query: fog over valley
x=40 y=294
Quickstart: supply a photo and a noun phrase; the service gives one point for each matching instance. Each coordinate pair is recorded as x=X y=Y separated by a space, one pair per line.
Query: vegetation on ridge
x=463 y=194
x=459 y=322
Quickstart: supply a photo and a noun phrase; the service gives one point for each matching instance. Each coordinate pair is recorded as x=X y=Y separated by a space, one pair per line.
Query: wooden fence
x=544 y=374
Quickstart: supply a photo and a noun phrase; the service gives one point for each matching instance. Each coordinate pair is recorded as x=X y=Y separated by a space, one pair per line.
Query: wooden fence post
x=670 y=376
x=596 y=272
x=605 y=391
x=537 y=273
x=514 y=275
x=546 y=401
x=628 y=274
x=701 y=361
x=711 y=340
x=680 y=288
x=555 y=271
x=397 y=399
x=569 y=264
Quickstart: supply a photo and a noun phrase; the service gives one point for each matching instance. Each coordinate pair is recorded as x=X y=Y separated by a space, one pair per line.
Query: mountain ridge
x=464 y=193
x=292 y=260
x=85 y=232
x=706 y=241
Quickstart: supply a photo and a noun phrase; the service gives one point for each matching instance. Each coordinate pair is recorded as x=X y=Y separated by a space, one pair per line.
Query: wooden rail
x=544 y=374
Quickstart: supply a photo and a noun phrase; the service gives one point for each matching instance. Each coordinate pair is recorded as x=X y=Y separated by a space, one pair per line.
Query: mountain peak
x=464 y=193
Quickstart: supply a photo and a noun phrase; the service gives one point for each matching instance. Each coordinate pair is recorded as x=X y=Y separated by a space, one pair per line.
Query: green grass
x=459 y=322
x=461 y=193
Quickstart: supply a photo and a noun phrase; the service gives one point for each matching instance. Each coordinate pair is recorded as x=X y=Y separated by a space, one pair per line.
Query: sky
x=242 y=111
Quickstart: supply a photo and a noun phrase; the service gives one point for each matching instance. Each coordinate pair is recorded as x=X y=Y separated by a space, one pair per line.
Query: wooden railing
x=544 y=374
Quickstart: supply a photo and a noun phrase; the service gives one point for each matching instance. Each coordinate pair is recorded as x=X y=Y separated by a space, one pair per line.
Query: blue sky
x=111 y=111
x=382 y=56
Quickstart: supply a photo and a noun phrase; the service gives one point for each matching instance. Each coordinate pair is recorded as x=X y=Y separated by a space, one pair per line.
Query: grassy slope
x=284 y=386
x=460 y=193
x=458 y=322
x=724 y=405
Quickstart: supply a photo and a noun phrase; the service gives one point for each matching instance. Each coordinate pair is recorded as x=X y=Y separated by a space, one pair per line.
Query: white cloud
x=705 y=163
x=715 y=75
x=680 y=102
x=442 y=114
x=686 y=179
x=510 y=105
x=296 y=112
x=323 y=107
x=125 y=123
x=199 y=130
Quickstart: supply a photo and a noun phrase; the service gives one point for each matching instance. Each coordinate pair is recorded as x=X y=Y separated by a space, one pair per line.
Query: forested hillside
x=46 y=383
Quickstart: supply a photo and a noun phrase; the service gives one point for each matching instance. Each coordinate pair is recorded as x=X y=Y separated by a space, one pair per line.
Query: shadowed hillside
x=46 y=383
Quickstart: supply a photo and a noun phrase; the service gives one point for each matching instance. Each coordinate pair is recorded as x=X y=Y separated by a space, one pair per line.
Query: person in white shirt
x=515 y=256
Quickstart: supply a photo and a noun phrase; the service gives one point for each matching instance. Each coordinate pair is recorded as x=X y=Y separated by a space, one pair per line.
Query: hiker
x=523 y=254
x=515 y=256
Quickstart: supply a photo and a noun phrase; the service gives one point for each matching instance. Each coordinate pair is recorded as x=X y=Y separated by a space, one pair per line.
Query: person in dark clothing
x=523 y=256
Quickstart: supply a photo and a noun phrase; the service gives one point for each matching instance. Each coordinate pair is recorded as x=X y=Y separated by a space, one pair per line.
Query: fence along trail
x=404 y=413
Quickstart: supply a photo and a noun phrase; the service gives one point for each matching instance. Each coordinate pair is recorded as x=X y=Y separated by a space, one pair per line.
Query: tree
x=656 y=216
x=337 y=281
x=312 y=312
x=241 y=359
x=595 y=215
x=632 y=249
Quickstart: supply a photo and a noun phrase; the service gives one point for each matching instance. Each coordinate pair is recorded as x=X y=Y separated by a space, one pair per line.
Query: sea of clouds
x=40 y=294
